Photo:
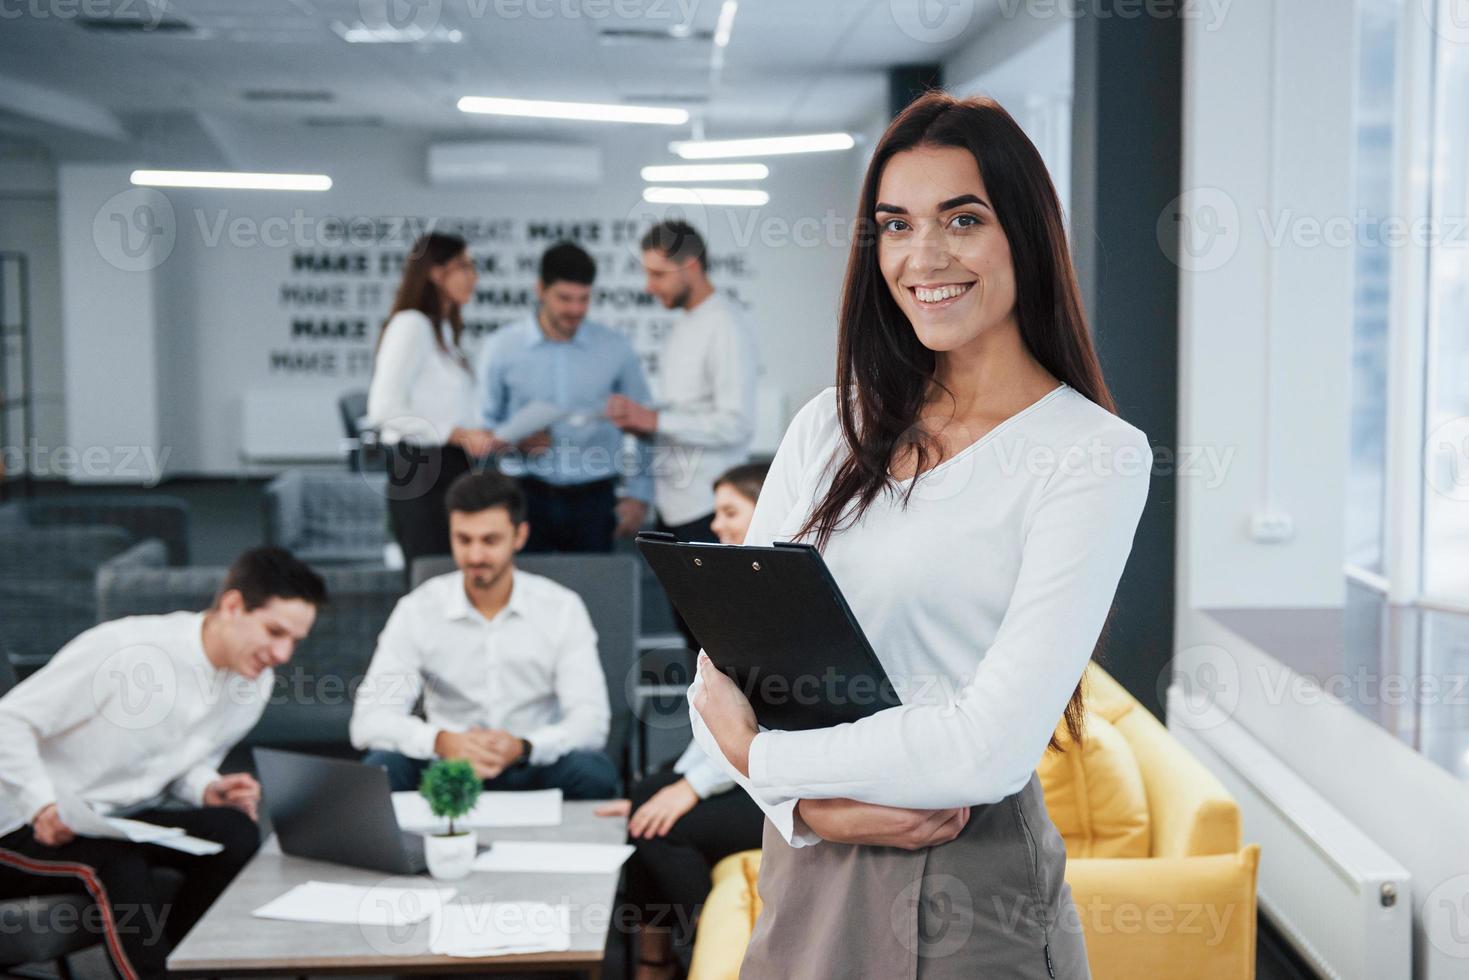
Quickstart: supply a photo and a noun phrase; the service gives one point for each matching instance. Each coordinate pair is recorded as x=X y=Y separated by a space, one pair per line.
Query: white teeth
x=941 y=293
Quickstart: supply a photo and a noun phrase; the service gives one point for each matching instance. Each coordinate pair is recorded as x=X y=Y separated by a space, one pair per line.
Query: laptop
x=336 y=810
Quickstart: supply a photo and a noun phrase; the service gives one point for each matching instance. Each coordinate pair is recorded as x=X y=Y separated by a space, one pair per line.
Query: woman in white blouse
x=422 y=399
x=975 y=498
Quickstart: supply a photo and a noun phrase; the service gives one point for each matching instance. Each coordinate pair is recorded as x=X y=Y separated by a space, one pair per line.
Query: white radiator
x=1339 y=898
x=290 y=425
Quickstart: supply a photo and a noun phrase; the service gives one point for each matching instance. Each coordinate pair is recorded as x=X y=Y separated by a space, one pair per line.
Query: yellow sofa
x=1161 y=884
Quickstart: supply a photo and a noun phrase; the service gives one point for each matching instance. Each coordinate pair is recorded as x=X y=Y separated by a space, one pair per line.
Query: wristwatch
x=524 y=758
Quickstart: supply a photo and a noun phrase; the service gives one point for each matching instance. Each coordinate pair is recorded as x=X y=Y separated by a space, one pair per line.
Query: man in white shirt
x=506 y=663
x=707 y=370
x=132 y=714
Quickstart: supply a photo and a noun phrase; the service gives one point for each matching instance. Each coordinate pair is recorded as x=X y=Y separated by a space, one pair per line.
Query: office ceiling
x=97 y=78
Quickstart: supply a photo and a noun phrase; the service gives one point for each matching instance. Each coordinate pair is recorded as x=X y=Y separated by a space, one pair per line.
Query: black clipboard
x=773 y=619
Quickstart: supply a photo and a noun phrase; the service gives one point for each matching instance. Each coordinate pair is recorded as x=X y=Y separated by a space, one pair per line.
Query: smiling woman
x=915 y=842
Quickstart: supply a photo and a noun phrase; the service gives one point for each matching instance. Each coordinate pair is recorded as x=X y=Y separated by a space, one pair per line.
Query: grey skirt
x=992 y=903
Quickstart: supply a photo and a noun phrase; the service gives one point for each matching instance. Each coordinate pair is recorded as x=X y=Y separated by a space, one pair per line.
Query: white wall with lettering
x=189 y=312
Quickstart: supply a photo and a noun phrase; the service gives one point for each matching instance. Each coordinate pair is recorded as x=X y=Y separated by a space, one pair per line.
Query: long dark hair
x=417 y=291
x=884 y=373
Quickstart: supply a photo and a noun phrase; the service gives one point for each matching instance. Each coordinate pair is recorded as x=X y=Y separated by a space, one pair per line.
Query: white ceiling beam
x=59 y=109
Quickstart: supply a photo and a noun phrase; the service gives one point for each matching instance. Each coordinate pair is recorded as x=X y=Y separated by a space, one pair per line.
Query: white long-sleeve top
x=983 y=600
x=706 y=776
x=125 y=713
x=706 y=407
x=419 y=391
x=532 y=670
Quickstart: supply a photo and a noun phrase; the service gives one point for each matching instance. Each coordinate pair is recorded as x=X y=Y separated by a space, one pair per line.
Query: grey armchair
x=50 y=552
x=20 y=940
x=608 y=585
x=328 y=517
x=312 y=700
x=154 y=516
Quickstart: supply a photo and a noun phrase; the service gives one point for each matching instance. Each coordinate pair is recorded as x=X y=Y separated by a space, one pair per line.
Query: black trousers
x=668 y=877
x=127 y=914
x=418 y=477
x=569 y=518
x=700 y=529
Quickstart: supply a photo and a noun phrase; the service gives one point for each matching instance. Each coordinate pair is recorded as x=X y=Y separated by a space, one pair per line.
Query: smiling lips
x=941 y=294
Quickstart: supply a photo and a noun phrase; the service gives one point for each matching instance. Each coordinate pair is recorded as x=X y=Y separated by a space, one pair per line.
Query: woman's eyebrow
x=951 y=203
x=963 y=199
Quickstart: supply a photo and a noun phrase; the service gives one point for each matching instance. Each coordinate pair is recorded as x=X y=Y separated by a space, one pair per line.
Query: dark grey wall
x=908 y=82
x=1126 y=169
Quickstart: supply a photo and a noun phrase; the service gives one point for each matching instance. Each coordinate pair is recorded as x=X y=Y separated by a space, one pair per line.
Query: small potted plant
x=451 y=788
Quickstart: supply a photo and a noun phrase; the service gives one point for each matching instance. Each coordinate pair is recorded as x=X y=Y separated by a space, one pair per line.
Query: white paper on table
x=531 y=418
x=501 y=928
x=324 y=901
x=530 y=808
x=553 y=857
x=197 y=846
x=87 y=822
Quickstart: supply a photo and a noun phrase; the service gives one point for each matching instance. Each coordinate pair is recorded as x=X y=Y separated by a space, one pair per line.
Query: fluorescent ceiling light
x=763 y=146
x=704 y=195
x=231 y=180
x=585 y=111
x=706 y=171
x=726 y=23
x=388 y=34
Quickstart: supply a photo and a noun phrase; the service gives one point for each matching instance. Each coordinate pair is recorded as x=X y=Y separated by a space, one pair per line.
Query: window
x=1376 y=104
x=1446 y=463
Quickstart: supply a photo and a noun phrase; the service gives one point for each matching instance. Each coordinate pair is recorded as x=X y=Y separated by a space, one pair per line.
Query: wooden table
x=230 y=941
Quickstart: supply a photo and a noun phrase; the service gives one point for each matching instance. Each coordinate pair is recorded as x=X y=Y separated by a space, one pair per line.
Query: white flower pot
x=449 y=856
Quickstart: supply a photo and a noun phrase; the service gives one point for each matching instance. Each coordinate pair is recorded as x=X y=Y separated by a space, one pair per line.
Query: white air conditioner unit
x=514 y=162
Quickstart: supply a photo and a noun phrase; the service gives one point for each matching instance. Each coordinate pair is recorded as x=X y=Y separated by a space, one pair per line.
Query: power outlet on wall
x=1271 y=527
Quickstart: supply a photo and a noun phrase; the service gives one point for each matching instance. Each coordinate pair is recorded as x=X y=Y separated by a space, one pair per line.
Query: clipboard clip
x=663 y=537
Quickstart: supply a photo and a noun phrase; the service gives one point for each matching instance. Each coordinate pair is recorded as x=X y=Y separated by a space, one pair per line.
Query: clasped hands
x=490 y=750
x=730 y=719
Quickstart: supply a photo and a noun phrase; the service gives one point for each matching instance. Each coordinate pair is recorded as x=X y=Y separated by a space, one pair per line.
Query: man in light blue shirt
x=585 y=482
